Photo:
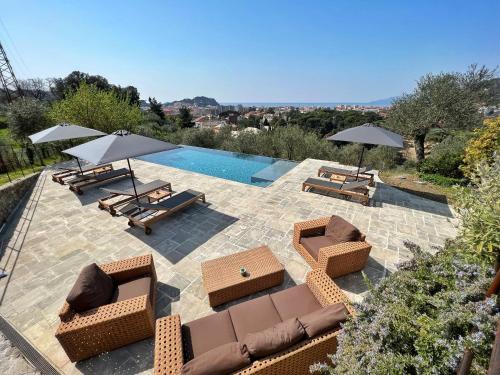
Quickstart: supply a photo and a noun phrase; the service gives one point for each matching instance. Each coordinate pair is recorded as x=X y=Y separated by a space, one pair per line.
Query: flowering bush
x=420 y=319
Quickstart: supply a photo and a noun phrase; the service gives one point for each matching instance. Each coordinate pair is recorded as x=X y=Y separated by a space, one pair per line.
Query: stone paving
x=59 y=232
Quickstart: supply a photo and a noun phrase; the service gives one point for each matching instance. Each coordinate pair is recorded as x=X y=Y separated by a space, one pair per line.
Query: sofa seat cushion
x=295 y=302
x=224 y=359
x=201 y=335
x=340 y=230
x=313 y=244
x=253 y=316
x=131 y=289
x=93 y=288
x=324 y=319
x=275 y=339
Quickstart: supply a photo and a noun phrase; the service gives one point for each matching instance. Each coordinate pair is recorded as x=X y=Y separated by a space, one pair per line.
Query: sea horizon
x=298 y=104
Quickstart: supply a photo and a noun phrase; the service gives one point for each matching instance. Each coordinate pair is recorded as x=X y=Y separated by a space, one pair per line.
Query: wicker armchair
x=168 y=357
x=336 y=260
x=83 y=335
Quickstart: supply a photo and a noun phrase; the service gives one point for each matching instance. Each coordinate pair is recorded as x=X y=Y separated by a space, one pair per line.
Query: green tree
x=93 y=108
x=156 y=108
x=185 y=118
x=26 y=116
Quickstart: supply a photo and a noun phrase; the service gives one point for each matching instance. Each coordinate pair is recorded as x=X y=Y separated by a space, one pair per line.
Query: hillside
x=200 y=101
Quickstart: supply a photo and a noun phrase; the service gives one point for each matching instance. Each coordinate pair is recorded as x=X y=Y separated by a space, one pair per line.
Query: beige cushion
x=341 y=231
x=93 y=288
x=132 y=289
x=201 y=335
x=313 y=244
x=324 y=319
x=275 y=339
x=224 y=359
x=295 y=301
x=253 y=316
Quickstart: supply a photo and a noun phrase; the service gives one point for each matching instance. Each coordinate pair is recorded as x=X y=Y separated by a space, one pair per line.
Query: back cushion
x=224 y=359
x=324 y=319
x=274 y=339
x=93 y=288
x=341 y=231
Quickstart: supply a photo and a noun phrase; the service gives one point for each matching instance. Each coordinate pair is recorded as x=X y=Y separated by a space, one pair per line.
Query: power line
x=18 y=56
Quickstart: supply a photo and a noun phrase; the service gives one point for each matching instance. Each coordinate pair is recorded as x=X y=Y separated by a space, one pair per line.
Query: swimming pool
x=248 y=169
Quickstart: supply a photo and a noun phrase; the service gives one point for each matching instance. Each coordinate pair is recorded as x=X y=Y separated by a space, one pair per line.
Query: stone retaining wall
x=11 y=193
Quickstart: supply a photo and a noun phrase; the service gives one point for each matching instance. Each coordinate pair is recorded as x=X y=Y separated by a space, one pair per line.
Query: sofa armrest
x=309 y=228
x=127 y=269
x=341 y=259
x=169 y=357
x=66 y=313
x=325 y=290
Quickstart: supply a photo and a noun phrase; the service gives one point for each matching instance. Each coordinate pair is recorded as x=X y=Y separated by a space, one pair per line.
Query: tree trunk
x=419 y=147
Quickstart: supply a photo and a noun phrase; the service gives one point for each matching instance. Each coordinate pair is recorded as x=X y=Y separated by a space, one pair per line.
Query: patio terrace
x=57 y=232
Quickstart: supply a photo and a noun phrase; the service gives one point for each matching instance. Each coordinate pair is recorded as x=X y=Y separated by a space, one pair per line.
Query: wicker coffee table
x=223 y=281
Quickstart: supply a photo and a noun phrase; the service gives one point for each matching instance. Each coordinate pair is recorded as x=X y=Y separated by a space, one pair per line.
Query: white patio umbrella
x=63 y=132
x=118 y=146
x=368 y=134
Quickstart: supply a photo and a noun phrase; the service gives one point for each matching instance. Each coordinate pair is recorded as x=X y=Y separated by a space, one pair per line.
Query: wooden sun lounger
x=343 y=175
x=60 y=177
x=80 y=182
x=120 y=197
x=145 y=214
x=355 y=189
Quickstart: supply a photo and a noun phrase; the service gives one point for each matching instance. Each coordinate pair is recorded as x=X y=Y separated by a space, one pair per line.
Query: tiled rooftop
x=57 y=232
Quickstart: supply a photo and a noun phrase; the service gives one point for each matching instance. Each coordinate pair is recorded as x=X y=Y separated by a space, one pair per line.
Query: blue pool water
x=248 y=169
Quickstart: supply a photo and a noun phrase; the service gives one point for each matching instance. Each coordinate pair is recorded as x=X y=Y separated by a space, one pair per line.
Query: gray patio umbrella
x=118 y=146
x=368 y=134
x=62 y=132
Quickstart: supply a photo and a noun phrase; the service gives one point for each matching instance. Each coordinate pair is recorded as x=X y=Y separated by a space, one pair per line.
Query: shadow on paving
x=178 y=235
x=93 y=193
x=355 y=282
x=137 y=357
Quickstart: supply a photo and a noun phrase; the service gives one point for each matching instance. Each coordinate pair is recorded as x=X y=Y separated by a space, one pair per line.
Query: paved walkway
x=59 y=232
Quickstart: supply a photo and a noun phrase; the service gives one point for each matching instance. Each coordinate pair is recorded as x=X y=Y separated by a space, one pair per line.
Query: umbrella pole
x=360 y=161
x=133 y=182
x=79 y=165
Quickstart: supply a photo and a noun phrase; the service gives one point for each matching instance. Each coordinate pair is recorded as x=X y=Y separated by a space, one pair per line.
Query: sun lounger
x=343 y=175
x=120 y=197
x=357 y=189
x=65 y=173
x=145 y=214
x=80 y=182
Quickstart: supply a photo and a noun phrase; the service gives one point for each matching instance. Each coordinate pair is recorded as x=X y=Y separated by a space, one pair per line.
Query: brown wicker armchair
x=83 y=335
x=169 y=358
x=336 y=260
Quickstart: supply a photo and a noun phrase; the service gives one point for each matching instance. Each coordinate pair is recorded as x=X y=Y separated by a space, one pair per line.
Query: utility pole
x=7 y=77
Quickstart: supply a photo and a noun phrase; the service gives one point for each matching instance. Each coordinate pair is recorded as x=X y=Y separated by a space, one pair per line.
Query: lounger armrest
x=309 y=228
x=169 y=356
x=325 y=290
x=341 y=259
x=127 y=269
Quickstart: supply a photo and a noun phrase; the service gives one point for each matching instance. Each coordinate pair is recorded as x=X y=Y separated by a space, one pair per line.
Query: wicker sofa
x=175 y=343
x=85 y=334
x=336 y=260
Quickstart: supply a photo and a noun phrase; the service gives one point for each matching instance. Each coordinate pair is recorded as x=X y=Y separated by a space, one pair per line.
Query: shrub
x=382 y=157
x=446 y=157
x=438 y=179
x=482 y=146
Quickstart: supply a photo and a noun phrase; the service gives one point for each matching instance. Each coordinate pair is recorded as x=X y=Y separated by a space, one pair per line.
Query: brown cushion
x=209 y=332
x=93 y=288
x=325 y=319
x=253 y=316
x=222 y=360
x=132 y=289
x=313 y=244
x=275 y=339
x=341 y=231
x=295 y=301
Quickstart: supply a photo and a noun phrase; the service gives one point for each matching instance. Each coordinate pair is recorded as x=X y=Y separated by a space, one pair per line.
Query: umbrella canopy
x=63 y=132
x=119 y=145
x=369 y=134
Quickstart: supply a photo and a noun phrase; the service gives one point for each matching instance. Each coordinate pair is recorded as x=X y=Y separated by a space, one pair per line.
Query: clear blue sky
x=236 y=50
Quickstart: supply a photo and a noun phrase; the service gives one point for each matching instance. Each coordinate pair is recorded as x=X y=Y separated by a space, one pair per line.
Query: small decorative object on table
x=243 y=272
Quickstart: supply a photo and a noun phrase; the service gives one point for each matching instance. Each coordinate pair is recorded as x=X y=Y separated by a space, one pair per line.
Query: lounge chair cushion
x=275 y=339
x=340 y=230
x=253 y=316
x=93 y=288
x=132 y=289
x=286 y=302
x=324 y=319
x=313 y=244
x=224 y=359
x=207 y=333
